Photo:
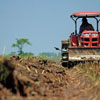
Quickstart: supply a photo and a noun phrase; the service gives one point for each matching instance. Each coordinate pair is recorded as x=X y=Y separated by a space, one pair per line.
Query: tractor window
x=93 y=22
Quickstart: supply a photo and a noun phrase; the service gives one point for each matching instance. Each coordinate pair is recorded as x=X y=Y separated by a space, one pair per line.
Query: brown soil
x=37 y=79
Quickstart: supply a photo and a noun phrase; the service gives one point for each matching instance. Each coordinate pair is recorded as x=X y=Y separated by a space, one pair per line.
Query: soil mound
x=34 y=77
x=38 y=79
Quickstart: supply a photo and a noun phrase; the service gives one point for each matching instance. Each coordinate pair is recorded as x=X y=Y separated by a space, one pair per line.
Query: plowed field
x=37 y=79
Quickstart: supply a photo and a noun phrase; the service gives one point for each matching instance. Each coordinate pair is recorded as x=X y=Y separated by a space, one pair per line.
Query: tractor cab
x=88 y=38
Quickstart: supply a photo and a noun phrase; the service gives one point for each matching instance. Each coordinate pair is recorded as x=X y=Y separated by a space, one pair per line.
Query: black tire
x=65 y=64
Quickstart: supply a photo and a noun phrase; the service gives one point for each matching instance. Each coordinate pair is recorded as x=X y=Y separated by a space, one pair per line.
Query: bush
x=26 y=55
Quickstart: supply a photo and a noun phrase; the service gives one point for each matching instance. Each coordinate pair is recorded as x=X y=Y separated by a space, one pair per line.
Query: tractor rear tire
x=65 y=64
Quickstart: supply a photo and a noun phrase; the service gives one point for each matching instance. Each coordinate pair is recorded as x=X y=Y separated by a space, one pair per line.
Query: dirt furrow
x=38 y=79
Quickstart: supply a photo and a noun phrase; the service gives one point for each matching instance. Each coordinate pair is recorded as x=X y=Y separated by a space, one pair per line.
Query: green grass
x=23 y=55
x=92 y=70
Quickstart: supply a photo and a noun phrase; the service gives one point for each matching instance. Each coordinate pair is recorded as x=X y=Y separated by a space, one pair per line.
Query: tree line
x=20 y=43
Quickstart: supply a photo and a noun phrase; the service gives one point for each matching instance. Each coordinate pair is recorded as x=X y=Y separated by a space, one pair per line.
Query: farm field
x=38 y=79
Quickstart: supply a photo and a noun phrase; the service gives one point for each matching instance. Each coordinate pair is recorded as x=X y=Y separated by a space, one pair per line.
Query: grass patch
x=92 y=69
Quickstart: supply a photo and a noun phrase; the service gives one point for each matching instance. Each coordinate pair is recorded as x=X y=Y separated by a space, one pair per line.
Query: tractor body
x=82 y=47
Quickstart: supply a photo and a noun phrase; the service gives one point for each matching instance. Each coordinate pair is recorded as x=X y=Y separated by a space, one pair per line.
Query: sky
x=44 y=22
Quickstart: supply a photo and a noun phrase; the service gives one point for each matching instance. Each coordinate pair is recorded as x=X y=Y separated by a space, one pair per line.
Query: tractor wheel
x=65 y=64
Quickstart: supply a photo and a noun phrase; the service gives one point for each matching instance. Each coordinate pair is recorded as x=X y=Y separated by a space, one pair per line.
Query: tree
x=20 y=44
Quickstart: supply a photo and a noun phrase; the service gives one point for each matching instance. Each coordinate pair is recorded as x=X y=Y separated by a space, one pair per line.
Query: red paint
x=90 y=39
x=74 y=39
x=86 y=13
x=87 y=38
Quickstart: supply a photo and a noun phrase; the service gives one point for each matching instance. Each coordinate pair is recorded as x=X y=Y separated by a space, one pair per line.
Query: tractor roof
x=86 y=14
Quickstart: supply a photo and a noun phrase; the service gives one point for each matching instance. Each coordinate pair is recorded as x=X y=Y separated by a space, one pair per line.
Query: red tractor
x=82 y=47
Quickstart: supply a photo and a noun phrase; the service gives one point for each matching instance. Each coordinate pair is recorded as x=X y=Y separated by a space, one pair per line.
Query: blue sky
x=44 y=22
